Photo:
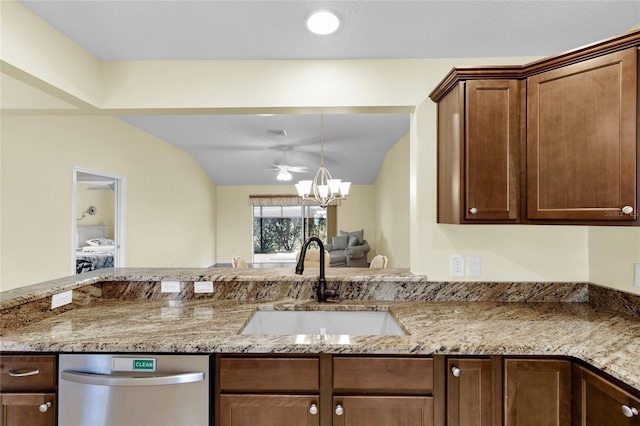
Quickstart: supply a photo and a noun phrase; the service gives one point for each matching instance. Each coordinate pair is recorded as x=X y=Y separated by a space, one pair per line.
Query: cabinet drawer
x=387 y=374
x=27 y=372
x=269 y=374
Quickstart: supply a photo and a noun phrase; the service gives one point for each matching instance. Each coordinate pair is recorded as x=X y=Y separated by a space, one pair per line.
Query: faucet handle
x=331 y=293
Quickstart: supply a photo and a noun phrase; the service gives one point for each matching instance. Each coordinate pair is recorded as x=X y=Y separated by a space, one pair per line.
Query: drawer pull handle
x=473 y=210
x=629 y=411
x=313 y=409
x=339 y=410
x=44 y=407
x=23 y=373
x=455 y=371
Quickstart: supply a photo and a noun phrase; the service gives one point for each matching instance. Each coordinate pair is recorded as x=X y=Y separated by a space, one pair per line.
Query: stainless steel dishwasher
x=128 y=390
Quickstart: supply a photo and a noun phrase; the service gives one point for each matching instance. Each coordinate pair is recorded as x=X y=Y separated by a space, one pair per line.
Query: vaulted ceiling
x=239 y=149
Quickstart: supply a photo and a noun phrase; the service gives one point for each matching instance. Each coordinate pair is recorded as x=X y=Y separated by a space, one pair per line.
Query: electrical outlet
x=61 y=299
x=203 y=287
x=473 y=266
x=456 y=266
x=636 y=275
x=170 y=287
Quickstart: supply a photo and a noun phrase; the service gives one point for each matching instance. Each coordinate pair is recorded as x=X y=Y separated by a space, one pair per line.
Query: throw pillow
x=353 y=241
x=358 y=234
x=340 y=243
x=100 y=242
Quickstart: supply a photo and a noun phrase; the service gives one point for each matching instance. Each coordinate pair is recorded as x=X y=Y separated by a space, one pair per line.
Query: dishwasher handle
x=118 y=380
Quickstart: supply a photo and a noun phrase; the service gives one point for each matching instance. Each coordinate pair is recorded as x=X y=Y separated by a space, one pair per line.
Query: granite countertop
x=573 y=327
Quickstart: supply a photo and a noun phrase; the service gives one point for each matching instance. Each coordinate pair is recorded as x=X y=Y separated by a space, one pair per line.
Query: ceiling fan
x=284 y=170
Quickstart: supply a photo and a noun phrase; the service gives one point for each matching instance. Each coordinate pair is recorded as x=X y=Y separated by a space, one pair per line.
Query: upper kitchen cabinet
x=478 y=172
x=551 y=142
x=581 y=140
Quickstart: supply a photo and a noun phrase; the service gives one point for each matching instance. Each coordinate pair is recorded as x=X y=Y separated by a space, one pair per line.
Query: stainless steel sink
x=355 y=323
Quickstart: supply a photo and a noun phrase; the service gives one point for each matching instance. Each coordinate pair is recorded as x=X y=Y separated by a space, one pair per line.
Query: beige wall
x=234 y=216
x=612 y=254
x=169 y=205
x=103 y=201
x=392 y=206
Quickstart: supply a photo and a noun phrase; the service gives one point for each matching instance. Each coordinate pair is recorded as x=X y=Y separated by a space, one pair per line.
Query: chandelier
x=323 y=189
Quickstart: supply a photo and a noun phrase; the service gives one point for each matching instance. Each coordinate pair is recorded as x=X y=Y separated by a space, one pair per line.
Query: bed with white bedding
x=93 y=249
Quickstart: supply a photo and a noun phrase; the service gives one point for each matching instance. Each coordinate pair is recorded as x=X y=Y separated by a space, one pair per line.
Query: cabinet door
x=581 y=140
x=272 y=410
x=382 y=411
x=599 y=402
x=537 y=392
x=491 y=150
x=469 y=392
x=33 y=409
x=478 y=152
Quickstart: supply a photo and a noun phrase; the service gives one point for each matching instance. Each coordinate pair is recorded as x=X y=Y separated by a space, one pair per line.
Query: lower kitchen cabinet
x=28 y=390
x=382 y=411
x=273 y=391
x=473 y=392
x=537 y=392
x=324 y=390
x=598 y=401
x=272 y=410
x=32 y=409
x=382 y=391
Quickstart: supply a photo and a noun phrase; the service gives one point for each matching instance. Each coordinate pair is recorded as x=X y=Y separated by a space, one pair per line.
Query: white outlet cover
x=203 y=287
x=456 y=266
x=61 y=299
x=473 y=266
x=170 y=287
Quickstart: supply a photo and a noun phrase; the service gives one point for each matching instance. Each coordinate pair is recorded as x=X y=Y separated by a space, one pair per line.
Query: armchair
x=348 y=249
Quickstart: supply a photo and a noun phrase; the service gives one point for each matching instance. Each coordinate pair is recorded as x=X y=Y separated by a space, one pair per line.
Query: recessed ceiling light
x=323 y=22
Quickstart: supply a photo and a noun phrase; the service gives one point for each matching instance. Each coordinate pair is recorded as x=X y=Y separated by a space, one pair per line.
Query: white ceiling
x=238 y=149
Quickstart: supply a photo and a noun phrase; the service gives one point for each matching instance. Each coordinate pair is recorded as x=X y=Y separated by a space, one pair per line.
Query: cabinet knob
x=339 y=410
x=313 y=409
x=455 y=371
x=627 y=210
x=629 y=411
x=44 y=407
x=473 y=210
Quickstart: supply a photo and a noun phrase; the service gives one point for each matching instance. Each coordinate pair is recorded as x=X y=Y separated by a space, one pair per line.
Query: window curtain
x=283 y=200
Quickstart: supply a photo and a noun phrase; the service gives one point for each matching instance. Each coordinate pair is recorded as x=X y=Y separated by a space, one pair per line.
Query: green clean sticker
x=144 y=364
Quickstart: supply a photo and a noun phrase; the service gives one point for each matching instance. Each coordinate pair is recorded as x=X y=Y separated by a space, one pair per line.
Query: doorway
x=97 y=217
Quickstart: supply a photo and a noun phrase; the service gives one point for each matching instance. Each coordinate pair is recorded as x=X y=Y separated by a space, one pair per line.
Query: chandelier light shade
x=323 y=189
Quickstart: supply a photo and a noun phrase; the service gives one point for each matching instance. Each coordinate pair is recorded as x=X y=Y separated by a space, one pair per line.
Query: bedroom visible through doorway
x=97 y=221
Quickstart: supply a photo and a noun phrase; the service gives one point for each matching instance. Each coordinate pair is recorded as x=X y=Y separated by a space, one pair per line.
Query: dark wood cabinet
x=32 y=409
x=581 y=140
x=472 y=392
x=550 y=142
x=272 y=410
x=537 y=392
x=275 y=390
x=478 y=152
x=382 y=391
x=354 y=410
x=28 y=390
x=324 y=390
x=597 y=401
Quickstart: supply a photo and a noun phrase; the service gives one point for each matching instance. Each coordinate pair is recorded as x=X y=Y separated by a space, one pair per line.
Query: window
x=279 y=231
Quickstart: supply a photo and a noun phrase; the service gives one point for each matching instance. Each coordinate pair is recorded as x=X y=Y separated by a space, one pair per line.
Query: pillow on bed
x=100 y=242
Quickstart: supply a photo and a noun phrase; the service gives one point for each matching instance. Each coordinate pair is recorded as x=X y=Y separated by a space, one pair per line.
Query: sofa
x=348 y=249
